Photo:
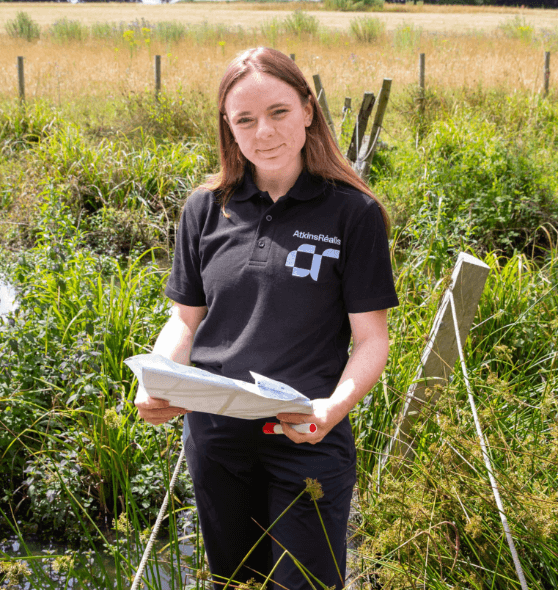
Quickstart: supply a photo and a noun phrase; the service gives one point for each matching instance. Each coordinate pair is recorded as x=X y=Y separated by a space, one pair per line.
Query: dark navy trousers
x=244 y=479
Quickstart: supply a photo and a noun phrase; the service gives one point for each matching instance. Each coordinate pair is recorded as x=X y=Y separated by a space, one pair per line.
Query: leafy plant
x=354 y=5
x=64 y=30
x=517 y=28
x=300 y=23
x=367 y=29
x=406 y=36
x=23 y=26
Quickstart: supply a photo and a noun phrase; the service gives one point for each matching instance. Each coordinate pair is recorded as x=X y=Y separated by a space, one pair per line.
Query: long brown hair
x=320 y=155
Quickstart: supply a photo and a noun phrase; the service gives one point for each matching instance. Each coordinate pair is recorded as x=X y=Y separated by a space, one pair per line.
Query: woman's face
x=268 y=121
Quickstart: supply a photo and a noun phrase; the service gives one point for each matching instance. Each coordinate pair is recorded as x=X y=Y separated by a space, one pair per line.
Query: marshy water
x=97 y=570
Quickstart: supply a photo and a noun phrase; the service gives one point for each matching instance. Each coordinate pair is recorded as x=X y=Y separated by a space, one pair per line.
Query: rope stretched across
x=486 y=457
x=160 y=516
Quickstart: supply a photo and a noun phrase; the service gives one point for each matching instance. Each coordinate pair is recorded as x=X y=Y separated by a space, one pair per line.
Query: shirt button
x=261 y=244
x=269 y=218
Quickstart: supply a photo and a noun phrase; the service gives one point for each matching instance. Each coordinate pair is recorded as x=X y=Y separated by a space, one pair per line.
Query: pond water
x=97 y=570
x=8 y=301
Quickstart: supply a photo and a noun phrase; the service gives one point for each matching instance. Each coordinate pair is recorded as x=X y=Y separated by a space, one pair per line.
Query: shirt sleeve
x=367 y=273
x=185 y=284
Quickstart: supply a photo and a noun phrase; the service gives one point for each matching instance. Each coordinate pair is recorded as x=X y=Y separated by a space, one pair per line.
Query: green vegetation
x=354 y=5
x=23 y=26
x=90 y=194
x=367 y=29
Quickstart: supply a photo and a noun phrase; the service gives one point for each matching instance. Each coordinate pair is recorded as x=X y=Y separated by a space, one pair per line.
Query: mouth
x=270 y=151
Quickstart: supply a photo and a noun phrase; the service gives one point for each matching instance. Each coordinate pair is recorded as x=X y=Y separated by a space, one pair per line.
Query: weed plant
x=301 y=23
x=354 y=5
x=367 y=29
x=68 y=30
x=518 y=28
x=24 y=27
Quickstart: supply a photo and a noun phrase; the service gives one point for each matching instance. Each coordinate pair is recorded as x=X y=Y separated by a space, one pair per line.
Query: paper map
x=201 y=391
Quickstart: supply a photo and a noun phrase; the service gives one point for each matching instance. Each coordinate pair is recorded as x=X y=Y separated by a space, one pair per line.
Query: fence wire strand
x=485 y=455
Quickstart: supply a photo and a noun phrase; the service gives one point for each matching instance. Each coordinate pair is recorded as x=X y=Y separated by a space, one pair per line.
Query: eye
x=280 y=112
x=243 y=121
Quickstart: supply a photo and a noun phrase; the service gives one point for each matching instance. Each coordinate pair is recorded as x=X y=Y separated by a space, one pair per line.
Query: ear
x=308 y=112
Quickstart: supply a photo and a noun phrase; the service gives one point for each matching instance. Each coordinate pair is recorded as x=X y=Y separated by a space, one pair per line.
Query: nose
x=265 y=128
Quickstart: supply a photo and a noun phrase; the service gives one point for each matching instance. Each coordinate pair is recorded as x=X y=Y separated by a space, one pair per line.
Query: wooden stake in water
x=21 y=78
x=157 y=76
x=546 y=71
x=322 y=100
x=441 y=352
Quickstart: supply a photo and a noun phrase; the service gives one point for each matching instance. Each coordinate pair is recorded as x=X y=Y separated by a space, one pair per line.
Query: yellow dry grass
x=71 y=71
x=453 y=19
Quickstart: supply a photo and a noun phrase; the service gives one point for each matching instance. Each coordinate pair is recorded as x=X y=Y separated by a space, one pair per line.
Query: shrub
x=406 y=36
x=354 y=5
x=69 y=30
x=169 y=31
x=300 y=22
x=517 y=28
x=23 y=26
x=367 y=29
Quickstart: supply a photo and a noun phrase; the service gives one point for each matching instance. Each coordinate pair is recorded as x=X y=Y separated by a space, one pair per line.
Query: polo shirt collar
x=305 y=188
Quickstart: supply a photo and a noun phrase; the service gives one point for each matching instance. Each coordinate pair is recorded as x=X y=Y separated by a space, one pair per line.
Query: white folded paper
x=201 y=391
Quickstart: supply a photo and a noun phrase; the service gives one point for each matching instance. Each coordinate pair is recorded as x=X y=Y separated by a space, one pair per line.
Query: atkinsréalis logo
x=314 y=269
x=318 y=238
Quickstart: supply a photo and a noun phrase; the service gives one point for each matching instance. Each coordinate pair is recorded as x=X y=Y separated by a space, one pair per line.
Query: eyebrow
x=269 y=108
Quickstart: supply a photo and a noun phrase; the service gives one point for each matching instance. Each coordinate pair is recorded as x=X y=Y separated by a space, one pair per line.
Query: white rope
x=160 y=516
x=485 y=455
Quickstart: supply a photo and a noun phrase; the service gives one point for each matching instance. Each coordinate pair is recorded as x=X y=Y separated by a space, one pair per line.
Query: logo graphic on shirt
x=319 y=238
x=316 y=260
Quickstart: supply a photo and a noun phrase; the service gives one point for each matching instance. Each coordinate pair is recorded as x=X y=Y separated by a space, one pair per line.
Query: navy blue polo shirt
x=279 y=279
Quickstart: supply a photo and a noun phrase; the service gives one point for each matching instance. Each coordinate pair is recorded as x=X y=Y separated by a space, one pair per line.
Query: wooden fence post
x=546 y=71
x=21 y=78
x=360 y=125
x=157 y=76
x=293 y=56
x=347 y=104
x=367 y=149
x=322 y=100
x=440 y=354
x=422 y=73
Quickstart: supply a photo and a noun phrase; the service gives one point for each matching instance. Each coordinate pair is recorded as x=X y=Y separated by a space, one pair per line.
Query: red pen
x=274 y=428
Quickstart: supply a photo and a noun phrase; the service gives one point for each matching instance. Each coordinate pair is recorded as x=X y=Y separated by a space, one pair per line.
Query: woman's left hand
x=326 y=415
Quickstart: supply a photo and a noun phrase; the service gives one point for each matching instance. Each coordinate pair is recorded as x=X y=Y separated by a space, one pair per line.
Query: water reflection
x=97 y=570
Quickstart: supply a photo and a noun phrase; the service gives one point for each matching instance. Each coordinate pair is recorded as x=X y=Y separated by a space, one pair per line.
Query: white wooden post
x=441 y=352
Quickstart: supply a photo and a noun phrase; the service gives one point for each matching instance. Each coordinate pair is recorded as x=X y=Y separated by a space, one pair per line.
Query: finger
x=160 y=415
x=295 y=418
x=152 y=403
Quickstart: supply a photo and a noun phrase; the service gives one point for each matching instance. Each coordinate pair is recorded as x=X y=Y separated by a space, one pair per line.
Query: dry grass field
x=476 y=54
x=74 y=70
x=455 y=19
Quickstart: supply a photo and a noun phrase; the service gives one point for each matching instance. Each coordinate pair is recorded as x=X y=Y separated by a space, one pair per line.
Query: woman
x=279 y=259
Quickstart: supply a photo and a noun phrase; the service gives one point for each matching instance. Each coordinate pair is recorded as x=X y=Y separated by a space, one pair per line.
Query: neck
x=276 y=183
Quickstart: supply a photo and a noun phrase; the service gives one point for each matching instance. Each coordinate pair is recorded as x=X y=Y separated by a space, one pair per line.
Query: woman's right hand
x=156 y=411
